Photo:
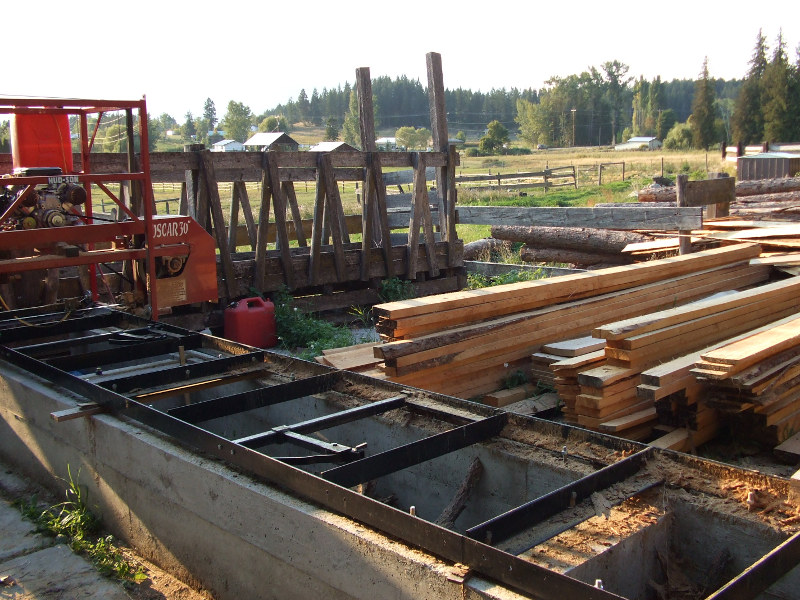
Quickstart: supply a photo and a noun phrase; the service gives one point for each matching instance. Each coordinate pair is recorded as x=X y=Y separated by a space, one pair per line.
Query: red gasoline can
x=251 y=321
x=41 y=140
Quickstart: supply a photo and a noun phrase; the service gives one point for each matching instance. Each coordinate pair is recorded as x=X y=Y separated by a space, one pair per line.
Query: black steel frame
x=331 y=490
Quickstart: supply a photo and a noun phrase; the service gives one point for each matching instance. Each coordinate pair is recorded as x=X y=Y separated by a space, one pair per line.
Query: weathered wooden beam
x=262 y=233
x=682 y=195
x=659 y=219
x=167 y=163
x=215 y=206
x=297 y=218
x=316 y=231
x=279 y=202
x=445 y=176
x=333 y=202
x=369 y=209
x=710 y=191
x=244 y=200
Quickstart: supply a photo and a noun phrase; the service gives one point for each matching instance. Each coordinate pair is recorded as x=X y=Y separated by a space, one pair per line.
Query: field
x=639 y=167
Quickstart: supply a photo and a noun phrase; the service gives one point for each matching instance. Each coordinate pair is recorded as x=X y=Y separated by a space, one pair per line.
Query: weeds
x=303 y=334
x=395 y=289
x=363 y=315
x=73 y=523
x=476 y=280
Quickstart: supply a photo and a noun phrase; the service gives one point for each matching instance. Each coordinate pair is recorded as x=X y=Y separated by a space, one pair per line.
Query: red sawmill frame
x=119 y=234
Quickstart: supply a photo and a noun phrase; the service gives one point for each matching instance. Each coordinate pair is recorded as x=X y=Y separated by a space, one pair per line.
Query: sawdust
x=160 y=585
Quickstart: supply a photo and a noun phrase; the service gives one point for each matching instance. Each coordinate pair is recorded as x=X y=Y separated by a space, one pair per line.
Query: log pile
x=466 y=343
x=572 y=245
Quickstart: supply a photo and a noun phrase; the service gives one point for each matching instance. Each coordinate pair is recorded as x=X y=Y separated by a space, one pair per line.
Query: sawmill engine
x=52 y=205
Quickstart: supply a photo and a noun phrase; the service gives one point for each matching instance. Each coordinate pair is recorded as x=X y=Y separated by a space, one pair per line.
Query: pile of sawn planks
x=468 y=343
x=755 y=381
x=634 y=347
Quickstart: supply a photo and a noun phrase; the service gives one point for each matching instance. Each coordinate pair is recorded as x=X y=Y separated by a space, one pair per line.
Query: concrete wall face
x=205 y=523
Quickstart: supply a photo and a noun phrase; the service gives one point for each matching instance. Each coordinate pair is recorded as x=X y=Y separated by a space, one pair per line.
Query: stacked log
x=572 y=245
x=465 y=343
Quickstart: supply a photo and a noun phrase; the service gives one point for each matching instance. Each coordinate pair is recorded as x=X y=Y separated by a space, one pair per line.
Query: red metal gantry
x=139 y=237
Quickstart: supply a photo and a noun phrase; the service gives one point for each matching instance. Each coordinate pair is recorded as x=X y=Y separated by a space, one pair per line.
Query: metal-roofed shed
x=277 y=140
x=767 y=165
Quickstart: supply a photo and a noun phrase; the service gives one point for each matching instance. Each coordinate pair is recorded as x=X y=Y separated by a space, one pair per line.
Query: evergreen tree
x=703 y=117
x=775 y=95
x=210 y=113
x=189 y=130
x=331 y=129
x=748 y=118
x=303 y=106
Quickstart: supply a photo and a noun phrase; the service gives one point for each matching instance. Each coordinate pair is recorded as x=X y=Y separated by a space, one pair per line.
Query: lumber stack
x=756 y=381
x=464 y=343
x=565 y=380
x=613 y=397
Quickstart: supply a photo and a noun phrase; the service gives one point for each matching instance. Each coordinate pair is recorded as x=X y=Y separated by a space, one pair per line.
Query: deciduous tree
x=495 y=139
x=237 y=121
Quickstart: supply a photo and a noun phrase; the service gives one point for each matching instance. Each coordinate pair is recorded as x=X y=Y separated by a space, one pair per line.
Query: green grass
x=72 y=523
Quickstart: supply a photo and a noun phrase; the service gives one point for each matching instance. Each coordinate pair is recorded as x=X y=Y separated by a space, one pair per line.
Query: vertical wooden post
x=721 y=209
x=281 y=234
x=263 y=230
x=215 y=207
x=374 y=218
x=316 y=228
x=192 y=182
x=685 y=237
x=233 y=218
x=445 y=176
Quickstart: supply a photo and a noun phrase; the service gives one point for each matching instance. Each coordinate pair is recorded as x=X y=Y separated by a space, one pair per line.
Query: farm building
x=767 y=165
x=636 y=143
x=271 y=141
x=332 y=147
x=227 y=146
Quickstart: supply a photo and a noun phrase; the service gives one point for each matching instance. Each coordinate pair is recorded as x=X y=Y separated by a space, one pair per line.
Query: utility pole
x=573 y=127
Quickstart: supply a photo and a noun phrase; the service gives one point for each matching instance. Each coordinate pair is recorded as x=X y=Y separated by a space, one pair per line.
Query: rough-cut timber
x=657 y=219
x=581 y=239
x=531 y=294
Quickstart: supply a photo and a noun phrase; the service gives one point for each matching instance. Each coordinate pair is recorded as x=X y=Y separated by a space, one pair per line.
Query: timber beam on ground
x=656 y=219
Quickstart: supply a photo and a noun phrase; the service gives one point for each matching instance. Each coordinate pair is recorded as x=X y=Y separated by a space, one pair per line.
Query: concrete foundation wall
x=204 y=522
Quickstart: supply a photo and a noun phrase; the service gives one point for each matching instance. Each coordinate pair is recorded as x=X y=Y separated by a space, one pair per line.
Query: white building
x=227 y=146
x=636 y=143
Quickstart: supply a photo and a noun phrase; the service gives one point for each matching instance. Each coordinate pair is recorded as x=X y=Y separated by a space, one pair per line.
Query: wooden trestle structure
x=324 y=259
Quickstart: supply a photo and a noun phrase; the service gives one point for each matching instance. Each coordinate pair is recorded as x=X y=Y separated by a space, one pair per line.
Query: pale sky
x=179 y=53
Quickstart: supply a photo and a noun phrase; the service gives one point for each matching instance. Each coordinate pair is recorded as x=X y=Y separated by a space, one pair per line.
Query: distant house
x=227 y=146
x=277 y=140
x=636 y=143
x=333 y=147
x=386 y=144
